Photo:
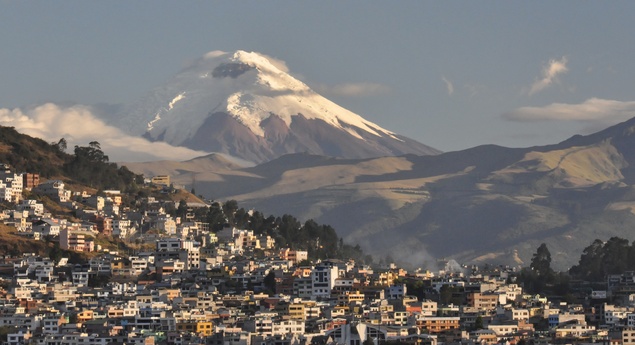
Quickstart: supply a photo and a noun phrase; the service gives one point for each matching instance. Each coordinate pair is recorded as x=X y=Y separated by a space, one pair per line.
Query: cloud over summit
x=351 y=89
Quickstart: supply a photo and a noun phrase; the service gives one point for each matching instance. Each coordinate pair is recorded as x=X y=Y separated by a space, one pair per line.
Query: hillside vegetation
x=88 y=165
x=89 y=169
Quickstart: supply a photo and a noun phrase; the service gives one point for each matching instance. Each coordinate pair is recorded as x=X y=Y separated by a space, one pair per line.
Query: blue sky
x=449 y=74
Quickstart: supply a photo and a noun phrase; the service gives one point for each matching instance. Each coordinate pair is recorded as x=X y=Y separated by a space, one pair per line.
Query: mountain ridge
x=484 y=204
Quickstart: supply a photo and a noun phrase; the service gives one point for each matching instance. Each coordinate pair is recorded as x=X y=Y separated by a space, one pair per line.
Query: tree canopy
x=602 y=258
x=319 y=240
x=90 y=166
x=541 y=261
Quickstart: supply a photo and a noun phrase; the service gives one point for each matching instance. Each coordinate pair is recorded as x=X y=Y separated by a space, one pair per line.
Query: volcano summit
x=241 y=104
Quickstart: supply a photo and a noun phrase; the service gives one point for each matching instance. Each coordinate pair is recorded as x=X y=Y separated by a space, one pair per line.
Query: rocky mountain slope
x=485 y=204
x=241 y=104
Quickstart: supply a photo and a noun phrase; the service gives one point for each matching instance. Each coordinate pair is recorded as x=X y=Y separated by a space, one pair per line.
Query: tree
x=616 y=252
x=4 y=332
x=450 y=295
x=56 y=253
x=590 y=264
x=541 y=262
x=601 y=258
x=215 y=217
x=270 y=282
x=229 y=209
x=72 y=318
x=181 y=211
x=98 y=281
x=478 y=323
x=61 y=145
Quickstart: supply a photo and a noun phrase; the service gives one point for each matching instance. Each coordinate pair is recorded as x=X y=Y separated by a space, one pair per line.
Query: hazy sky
x=449 y=74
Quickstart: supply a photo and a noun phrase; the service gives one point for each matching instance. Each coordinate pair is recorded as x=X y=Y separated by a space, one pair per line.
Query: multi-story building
x=628 y=336
x=294 y=256
x=203 y=328
x=185 y=250
x=47 y=227
x=573 y=330
x=33 y=207
x=12 y=182
x=103 y=224
x=54 y=189
x=482 y=301
x=437 y=324
x=296 y=311
x=30 y=180
x=323 y=278
x=161 y=180
x=122 y=227
x=70 y=240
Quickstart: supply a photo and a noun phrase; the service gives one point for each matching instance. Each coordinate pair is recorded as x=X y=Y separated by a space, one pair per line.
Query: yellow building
x=349 y=297
x=296 y=311
x=163 y=180
x=85 y=315
x=204 y=328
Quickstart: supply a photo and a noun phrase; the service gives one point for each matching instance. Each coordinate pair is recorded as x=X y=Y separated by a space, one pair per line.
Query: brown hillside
x=13 y=244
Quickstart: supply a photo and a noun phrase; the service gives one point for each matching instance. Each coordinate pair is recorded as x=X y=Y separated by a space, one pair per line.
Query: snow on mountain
x=249 y=89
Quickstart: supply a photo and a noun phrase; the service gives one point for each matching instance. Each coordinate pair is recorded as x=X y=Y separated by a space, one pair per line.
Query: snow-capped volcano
x=243 y=105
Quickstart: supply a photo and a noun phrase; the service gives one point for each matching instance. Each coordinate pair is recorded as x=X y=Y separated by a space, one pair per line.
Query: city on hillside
x=102 y=267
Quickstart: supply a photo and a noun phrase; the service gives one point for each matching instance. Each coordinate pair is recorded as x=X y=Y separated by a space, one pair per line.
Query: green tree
x=615 y=258
x=181 y=211
x=541 y=262
x=270 y=282
x=590 y=264
x=478 y=323
x=56 y=253
x=229 y=209
x=450 y=295
x=61 y=145
x=99 y=280
x=4 y=332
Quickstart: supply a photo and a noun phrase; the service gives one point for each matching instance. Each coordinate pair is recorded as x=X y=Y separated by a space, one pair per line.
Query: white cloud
x=351 y=89
x=475 y=89
x=79 y=126
x=549 y=74
x=595 y=112
x=213 y=54
x=279 y=64
x=448 y=85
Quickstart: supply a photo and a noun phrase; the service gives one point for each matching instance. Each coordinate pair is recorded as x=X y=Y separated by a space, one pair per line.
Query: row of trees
x=602 y=258
x=598 y=260
x=319 y=240
x=539 y=277
x=90 y=166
